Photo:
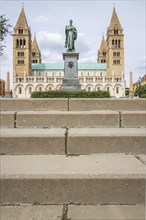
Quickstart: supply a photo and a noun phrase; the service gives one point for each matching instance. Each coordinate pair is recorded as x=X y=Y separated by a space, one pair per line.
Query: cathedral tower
x=22 y=46
x=115 y=47
x=102 y=51
x=36 y=54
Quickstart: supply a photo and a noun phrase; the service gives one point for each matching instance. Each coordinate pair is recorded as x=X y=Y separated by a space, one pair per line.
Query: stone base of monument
x=71 y=82
x=71 y=85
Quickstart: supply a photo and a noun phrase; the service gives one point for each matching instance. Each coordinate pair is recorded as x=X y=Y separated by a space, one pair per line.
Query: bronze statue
x=71 y=36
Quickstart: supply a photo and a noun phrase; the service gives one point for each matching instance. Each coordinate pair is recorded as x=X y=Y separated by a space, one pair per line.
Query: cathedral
x=30 y=74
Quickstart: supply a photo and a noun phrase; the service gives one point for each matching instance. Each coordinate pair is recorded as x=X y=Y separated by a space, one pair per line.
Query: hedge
x=62 y=94
x=143 y=96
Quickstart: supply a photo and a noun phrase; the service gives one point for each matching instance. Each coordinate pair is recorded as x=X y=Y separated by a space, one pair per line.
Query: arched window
x=24 y=43
x=30 y=90
x=119 y=43
x=108 y=89
x=17 y=43
x=21 y=45
x=113 y=43
x=89 y=89
x=20 y=90
x=117 y=90
x=20 y=31
x=98 y=89
x=115 y=31
x=40 y=89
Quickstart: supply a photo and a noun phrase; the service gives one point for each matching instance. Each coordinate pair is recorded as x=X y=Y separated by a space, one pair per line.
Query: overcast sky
x=91 y=18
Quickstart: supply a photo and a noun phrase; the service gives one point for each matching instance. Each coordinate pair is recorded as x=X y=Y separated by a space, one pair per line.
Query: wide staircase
x=73 y=159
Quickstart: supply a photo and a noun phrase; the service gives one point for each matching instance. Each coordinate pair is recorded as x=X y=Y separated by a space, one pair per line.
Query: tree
x=140 y=90
x=4 y=31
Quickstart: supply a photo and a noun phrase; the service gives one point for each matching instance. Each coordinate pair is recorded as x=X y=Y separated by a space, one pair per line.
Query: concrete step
x=108 y=212
x=7 y=119
x=133 y=119
x=106 y=140
x=32 y=141
x=52 y=179
x=68 y=119
x=32 y=212
x=72 y=212
x=72 y=119
x=34 y=104
x=78 y=141
x=107 y=104
x=84 y=104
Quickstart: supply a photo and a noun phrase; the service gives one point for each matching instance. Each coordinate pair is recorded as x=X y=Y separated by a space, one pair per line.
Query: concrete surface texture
x=79 y=212
x=34 y=104
x=72 y=141
x=68 y=119
x=73 y=104
x=94 y=140
x=7 y=119
x=31 y=212
x=133 y=119
x=32 y=141
x=91 y=179
x=107 y=104
x=108 y=212
x=76 y=159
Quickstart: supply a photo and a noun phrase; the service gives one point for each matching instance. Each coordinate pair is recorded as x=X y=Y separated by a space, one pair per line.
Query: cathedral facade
x=30 y=74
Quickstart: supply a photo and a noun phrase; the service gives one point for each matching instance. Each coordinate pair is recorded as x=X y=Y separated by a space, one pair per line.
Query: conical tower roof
x=35 y=44
x=103 y=44
x=114 y=20
x=22 y=21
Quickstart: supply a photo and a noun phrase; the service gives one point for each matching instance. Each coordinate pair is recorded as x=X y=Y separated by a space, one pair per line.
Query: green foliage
x=62 y=94
x=143 y=96
x=140 y=90
x=4 y=31
x=127 y=92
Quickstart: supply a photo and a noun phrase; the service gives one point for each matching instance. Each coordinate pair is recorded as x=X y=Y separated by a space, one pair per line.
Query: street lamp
x=139 y=84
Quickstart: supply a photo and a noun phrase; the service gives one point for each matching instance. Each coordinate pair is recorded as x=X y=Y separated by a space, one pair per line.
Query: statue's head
x=70 y=21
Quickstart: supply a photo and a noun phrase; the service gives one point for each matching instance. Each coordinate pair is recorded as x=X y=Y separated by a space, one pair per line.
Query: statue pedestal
x=71 y=81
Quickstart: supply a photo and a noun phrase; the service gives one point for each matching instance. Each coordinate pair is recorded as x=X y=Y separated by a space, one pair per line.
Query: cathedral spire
x=22 y=21
x=114 y=20
x=103 y=43
x=35 y=44
x=36 y=54
x=102 y=51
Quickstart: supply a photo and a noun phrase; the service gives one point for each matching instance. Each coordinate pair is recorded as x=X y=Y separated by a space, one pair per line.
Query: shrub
x=62 y=94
